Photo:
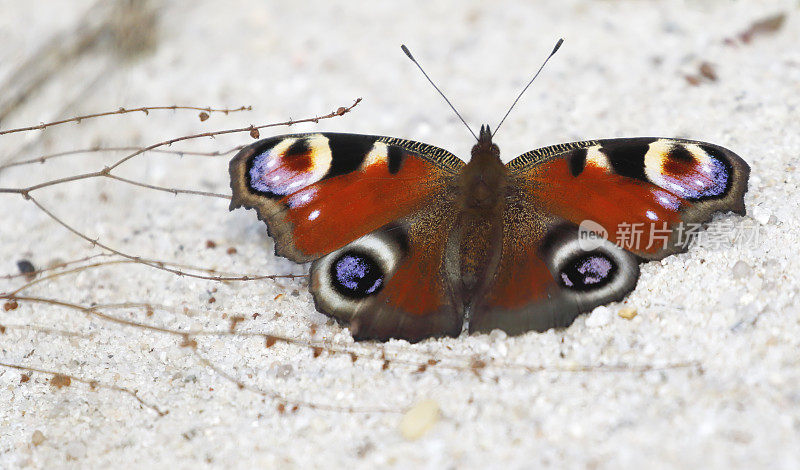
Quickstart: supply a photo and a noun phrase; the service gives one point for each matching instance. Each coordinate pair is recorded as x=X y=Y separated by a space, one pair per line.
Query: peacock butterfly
x=408 y=241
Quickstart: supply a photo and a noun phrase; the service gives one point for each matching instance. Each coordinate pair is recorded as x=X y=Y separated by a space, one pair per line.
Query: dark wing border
x=543 y=154
x=436 y=155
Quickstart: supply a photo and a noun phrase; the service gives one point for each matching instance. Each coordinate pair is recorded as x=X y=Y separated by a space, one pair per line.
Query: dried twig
x=143 y=109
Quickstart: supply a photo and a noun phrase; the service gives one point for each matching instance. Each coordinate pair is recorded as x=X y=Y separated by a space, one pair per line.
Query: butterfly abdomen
x=475 y=246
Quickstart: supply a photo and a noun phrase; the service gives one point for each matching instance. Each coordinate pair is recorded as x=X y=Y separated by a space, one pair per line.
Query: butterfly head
x=483 y=178
x=485 y=148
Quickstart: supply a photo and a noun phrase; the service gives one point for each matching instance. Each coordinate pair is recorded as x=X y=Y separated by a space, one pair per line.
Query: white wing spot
x=595 y=157
x=313 y=215
x=379 y=154
x=651 y=215
x=678 y=188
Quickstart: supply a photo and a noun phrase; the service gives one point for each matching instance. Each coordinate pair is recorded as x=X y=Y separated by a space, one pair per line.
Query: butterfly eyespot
x=283 y=166
x=589 y=274
x=588 y=271
x=356 y=275
x=691 y=171
x=353 y=276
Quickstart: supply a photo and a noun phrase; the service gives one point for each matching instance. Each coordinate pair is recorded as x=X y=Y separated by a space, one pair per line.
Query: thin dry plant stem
x=186 y=342
x=106 y=173
x=143 y=109
x=385 y=354
x=174 y=191
x=282 y=401
x=445 y=361
x=66 y=153
x=100 y=264
x=154 y=264
x=56 y=266
x=91 y=383
x=50 y=331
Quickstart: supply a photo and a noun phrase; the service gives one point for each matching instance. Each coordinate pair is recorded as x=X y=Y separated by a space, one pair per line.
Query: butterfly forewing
x=318 y=192
x=642 y=191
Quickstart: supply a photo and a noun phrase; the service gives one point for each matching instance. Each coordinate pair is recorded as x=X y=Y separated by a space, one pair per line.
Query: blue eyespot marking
x=356 y=275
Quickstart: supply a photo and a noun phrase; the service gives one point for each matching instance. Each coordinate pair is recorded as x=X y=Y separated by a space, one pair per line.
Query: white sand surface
x=706 y=374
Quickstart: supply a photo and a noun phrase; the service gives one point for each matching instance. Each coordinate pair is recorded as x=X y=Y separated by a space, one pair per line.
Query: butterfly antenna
x=555 y=49
x=408 y=53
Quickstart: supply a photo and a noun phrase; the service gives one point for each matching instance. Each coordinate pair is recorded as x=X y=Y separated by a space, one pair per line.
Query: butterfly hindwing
x=371 y=212
x=638 y=193
x=318 y=192
x=547 y=276
x=391 y=283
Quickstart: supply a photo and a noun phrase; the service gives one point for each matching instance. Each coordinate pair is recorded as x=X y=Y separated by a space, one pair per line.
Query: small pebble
x=741 y=270
x=772 y=265
x=498 y=335
x=75 y=450
x=37 y=438
x=26 y=267
x=284 y=370
x=571 y=365
x=600 y=316
x=419 y=419
x=762 y=215
x=59 y=381
x=627 y=313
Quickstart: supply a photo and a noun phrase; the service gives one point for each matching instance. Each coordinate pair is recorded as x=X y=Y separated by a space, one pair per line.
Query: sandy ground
x=707 y=373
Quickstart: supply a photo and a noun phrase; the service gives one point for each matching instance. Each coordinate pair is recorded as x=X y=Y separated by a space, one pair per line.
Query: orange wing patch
x=637 y=215
x=335 y=211
x=318 y=192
